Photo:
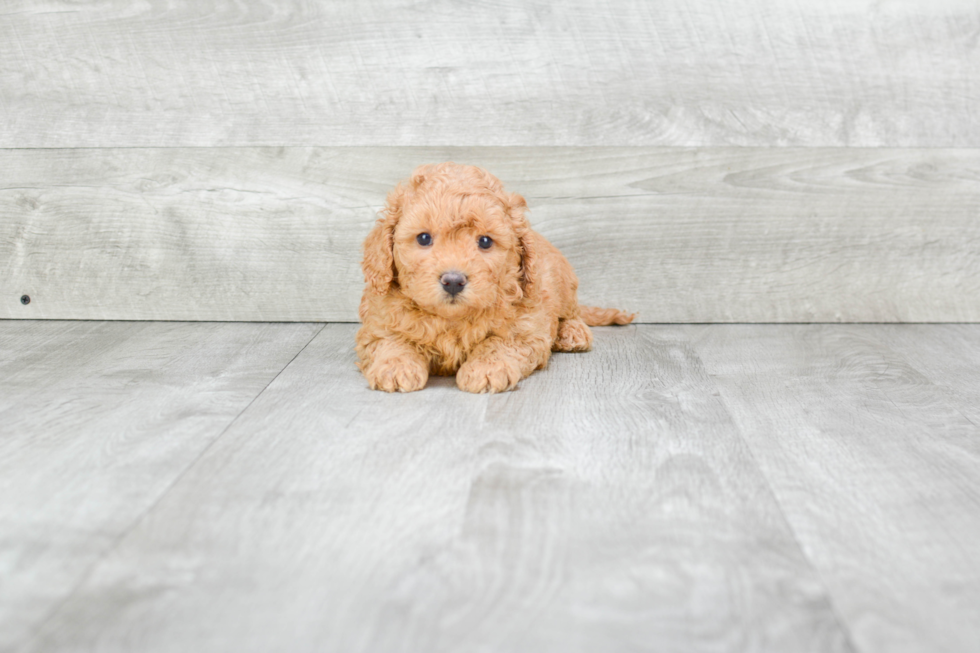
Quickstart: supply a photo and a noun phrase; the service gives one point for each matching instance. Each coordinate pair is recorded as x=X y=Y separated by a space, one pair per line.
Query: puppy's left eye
x=485 y=242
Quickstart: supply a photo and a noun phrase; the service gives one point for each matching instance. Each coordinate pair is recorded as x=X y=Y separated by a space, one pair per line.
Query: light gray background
x=696 y=160
x=178 y=486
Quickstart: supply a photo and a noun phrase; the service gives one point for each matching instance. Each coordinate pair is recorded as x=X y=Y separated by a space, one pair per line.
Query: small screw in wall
x=25 y=299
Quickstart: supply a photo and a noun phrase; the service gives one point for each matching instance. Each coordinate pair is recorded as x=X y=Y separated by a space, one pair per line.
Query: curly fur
x=519 y=303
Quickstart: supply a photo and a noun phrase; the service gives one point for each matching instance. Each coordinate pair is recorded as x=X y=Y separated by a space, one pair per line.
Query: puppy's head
x=453 y=241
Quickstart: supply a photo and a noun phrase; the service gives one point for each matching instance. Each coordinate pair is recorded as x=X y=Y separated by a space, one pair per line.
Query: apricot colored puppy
x=459 y=283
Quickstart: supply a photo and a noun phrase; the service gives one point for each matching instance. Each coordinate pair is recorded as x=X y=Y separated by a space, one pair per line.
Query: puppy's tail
x=605 y=316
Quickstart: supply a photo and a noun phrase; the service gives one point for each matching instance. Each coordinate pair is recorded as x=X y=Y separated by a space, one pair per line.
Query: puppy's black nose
x=453 y=282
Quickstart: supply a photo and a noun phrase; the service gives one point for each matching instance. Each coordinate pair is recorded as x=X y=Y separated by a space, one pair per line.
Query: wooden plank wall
x=680 y=235
x=511 y=72
x=697 y=161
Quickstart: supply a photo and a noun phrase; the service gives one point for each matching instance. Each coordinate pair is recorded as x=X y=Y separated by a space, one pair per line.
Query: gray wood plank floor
x=877 y=469
x=98 y=420
x=235 y=487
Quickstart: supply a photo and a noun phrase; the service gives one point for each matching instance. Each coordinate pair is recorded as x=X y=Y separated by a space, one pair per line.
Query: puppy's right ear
x=379 y=252
x=379 y=260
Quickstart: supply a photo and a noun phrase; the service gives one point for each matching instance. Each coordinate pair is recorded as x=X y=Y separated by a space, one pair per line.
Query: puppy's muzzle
x=453 y=282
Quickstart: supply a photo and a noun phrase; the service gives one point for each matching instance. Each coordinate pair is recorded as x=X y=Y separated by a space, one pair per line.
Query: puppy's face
x=457 y=252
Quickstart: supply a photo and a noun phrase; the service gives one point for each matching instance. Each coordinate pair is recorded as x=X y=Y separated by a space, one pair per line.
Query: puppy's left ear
x=516 y=207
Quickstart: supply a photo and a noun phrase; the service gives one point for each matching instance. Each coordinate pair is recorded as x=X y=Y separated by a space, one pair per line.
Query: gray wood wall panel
x=876 y=468
x=405 y=72
x=677 y=234
x=609 y=504
x=97 y=421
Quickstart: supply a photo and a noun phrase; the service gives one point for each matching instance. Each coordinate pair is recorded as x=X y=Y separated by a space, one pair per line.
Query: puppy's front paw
x=397 y=375
x=487 y=376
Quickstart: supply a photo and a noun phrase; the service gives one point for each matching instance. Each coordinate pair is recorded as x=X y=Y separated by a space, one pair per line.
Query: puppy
x=459 y=283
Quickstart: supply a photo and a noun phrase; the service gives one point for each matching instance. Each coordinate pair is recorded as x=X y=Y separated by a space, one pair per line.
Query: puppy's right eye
x=424 y=240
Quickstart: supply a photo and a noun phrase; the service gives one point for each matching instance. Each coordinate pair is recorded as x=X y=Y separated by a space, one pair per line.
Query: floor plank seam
x=136 y=522
x=844 y=627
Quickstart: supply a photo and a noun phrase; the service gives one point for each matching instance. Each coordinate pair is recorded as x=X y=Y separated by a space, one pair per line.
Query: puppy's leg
x=573 y=335
x=496 y=365
x=393 y=365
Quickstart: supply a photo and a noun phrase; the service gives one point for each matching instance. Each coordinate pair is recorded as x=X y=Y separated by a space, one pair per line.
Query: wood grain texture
x=877 y=470
x=97 y=421
x=608 y=504
x=410 y=72
x=676 y=234
x=946 y=354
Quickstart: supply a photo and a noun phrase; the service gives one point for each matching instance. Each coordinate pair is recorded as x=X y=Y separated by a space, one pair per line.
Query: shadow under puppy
x=459 y=283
